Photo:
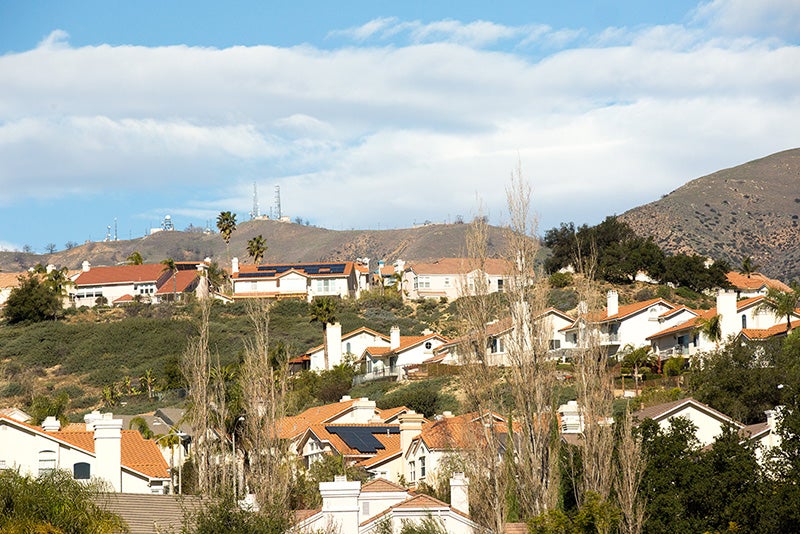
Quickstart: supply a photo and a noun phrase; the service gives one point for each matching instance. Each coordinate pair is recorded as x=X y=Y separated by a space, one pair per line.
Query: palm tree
x=171 y=440
x=323 y=310
x=635 y=359
x=711 y=327
x=782 y=303
x=169 y=265
x=135 y=258
x=256 y=248
x=748 y=267
x=140 y=424
x=226 y=224
x=217 y=277
x=148 y=380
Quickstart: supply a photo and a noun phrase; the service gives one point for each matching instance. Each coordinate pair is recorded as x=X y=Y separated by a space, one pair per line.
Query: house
x=708 y=421
x=347 y=506
x=628 y=325
x=452 y=278
x=427 y=445
x=151 y=514
x=394 y=360
x=346 y=411
x=549 y=324
x=296 y=280
x=148 y=282
x=8 y=282
x=765 y=434
x=349 y=346
x=753 y=284
x=389 y=275
x=746 y=317
x=100 y=448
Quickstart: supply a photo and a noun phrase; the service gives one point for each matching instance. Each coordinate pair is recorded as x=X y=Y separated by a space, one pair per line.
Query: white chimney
x=340 y=504
x=363 y=411
x=459 y=492
x=345 y=398
x=234 y=265
x=394 y=337
x=90 y=418
x=726 y=309
x=410 y=428
x=51 y=424
x=85 y=266
x=108 y=450
x=333 y=333
x=612 y=302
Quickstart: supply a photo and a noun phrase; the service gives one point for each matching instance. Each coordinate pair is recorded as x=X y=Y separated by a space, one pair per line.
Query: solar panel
x=362 y=438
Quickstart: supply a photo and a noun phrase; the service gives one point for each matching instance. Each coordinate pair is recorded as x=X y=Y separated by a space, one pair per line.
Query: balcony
x=386 y=373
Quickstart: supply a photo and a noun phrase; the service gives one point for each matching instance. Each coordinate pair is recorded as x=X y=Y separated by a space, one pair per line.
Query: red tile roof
x=290 y=427
x=779 y=329
x=456 y=266
x=183 y=281
x=458 y=432
x=121 y=274
x=755 y=281
x=381 y=485
x=390 y=442
x=636 y=307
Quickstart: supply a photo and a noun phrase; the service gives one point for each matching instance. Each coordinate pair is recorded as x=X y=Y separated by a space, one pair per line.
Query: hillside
x=748 y=210
x=287 y=242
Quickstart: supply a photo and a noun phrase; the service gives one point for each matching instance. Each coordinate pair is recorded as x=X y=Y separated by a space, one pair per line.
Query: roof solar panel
x=362 y=438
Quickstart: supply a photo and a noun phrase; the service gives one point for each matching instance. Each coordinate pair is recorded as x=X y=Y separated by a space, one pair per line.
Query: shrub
x=674 y=366
x=562 y=299
x=12 y=389
x=560 y=280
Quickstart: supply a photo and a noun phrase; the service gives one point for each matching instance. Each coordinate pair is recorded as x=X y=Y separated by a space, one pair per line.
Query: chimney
x=108 y=450
x=333 y=333
x=726 y=309
x=771 y=419
x=447 y=414
x=394 y=337
x=51 y=424
x=459 y=492
x=612 y=302
x=90 y=418
x=363 y=411
x=410 y=428
x=235 y=266
x=340 y=504
x=85 y=266
x=345 y=398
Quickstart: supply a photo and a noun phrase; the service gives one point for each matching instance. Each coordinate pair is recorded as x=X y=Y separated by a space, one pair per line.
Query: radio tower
x=254 y=214
x=277 y=215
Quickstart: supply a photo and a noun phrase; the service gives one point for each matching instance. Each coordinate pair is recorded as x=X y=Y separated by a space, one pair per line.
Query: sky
x=377 y=114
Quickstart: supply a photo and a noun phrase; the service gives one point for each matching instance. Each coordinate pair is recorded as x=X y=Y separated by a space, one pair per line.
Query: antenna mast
x=254 y=214
x=278 y=214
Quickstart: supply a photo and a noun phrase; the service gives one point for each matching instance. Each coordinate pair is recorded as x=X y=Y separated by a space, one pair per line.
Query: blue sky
x=377 y=114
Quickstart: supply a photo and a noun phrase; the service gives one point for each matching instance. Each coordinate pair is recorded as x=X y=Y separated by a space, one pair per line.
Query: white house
x=148 y=282
x=754 y=284
x=628 y=325
x=296 y=280
x=746 y=316
x=98 y=449
x=453 y=277
x=347 y=506
x=349 y=346
x=8 y=282
x=401 y=353
x=708 y=421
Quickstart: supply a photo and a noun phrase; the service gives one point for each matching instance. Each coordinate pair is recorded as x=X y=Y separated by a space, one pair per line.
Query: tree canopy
x=32 y=301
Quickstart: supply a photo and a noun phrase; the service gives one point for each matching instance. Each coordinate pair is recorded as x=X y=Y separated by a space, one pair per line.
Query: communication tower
x=167 y=225
x=255 y=214
x=277 y=215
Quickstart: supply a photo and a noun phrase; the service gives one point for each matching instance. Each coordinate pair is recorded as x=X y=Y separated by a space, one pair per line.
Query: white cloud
x=393 y=134
x=779 y=18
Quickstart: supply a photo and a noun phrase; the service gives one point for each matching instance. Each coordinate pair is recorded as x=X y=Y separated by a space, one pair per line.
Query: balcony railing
x=382 y=374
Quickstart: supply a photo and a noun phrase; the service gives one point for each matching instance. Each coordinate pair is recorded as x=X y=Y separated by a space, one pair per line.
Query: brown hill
x=748 y=210
x=287 y=242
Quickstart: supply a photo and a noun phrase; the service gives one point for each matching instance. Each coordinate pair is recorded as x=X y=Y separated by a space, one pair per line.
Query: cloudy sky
x=377 y=114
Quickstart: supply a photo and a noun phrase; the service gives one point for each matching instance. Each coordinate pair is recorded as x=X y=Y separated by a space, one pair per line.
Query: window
x=365 y=508
x=47 y=462
x=500 y=285
x=496 y=345
x=347 y=348
x=412 y=471
x=428 y=345
x=555 y=344
x=326 y=285
x=81 y=471
x=422 y=282
x=422 y=468
x=744 y=321
x=447 y=282
x=3 y=464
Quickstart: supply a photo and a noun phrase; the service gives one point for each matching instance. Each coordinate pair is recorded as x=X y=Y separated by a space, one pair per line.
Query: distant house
x=628 y=325
x=9 y=281
x=148 y=282
x=737 y=317
x=452 y=278
x=100 y=448
x=754 y=284
x=349 y=346
x=708 y=421
x=395 y=359
x=297 y=280
x=347 y=506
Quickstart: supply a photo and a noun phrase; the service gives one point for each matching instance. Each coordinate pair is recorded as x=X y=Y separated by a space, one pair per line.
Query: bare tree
x=532 y=375
x=630 y=469
x=264 y=381
x=196 y=371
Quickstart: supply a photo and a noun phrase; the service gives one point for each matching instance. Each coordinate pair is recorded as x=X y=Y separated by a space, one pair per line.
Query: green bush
x=12 y=389
x=674 y=366
x=423 y=397
x=560 y=280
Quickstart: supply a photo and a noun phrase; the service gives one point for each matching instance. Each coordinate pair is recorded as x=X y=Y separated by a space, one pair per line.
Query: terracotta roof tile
x=766 y=333
x=755 y=281
x=290 y=427
x=121 y=274
x=636 y=307
x=10 y=279
x=456 y=266
x=183 y=281
x=381 y=485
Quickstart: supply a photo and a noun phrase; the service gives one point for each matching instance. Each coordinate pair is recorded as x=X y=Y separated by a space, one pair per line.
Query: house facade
x=98 y=449
x=296 y=280
x=452 y=278
x=396 y=359
x=708 y=422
